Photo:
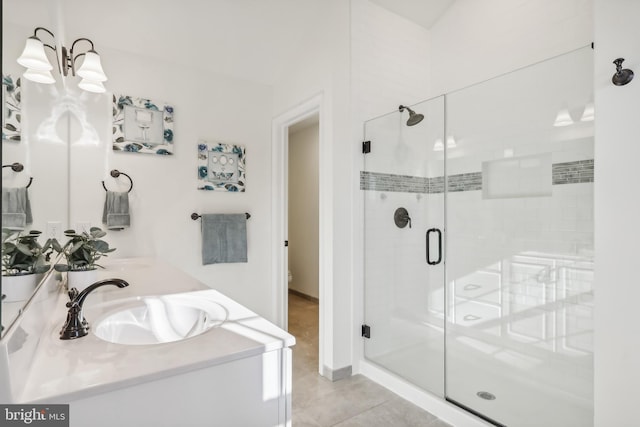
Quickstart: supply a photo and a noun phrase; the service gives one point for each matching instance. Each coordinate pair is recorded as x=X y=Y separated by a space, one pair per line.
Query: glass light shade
x=33 y=56
x=39 y=76
x=91 y=68
x=91 y=86
x=438 y=146
x=451 y=142
x=563 y=118
x=589 y=113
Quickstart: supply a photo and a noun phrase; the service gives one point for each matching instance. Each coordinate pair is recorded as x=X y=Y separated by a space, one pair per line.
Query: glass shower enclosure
x=479 y=245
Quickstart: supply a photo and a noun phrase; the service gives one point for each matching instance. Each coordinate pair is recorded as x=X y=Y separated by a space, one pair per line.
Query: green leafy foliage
x=83 y=249
x=22 y=254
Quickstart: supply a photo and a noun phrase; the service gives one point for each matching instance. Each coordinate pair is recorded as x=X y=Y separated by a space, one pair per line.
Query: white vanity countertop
x=68 y=370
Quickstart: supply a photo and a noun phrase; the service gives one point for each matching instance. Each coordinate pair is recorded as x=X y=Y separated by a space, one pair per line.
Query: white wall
x=303 y=210
x=617 y=332
x=474 y=41
x=206 y=106
x=323 y=67
x=390 y=61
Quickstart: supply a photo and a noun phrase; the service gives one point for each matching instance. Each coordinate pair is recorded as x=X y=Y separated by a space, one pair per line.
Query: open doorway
x=303 y=243
x=303 y=212
x=305 y=113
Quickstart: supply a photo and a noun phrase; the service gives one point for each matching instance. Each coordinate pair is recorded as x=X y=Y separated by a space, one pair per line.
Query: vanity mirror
x=41 y=141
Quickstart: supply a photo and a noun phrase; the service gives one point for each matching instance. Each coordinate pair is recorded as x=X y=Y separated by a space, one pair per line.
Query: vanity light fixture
x=34 y=58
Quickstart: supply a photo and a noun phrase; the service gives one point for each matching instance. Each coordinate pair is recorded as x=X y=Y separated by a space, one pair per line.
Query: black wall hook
x=18 y=167
x=116 y=173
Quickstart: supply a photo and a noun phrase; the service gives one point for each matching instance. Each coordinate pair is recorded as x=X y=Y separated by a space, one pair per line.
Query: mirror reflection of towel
x=115 y=214
x=224 y=238
x=16 y=208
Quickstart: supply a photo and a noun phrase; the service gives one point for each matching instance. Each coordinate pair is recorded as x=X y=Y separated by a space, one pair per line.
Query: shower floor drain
x=486 y=395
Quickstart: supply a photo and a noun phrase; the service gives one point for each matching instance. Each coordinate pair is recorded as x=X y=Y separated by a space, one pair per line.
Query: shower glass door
x=403 y=191
x=519 y=339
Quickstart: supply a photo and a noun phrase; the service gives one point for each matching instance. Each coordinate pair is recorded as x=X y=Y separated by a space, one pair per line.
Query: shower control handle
x=428 y=244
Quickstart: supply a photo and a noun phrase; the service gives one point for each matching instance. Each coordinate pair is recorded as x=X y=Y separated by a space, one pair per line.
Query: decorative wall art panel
x=221 y=167
x=142 y=126
x=11 y=108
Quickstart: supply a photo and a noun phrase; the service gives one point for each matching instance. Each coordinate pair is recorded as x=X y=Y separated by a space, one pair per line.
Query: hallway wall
x=303 y=210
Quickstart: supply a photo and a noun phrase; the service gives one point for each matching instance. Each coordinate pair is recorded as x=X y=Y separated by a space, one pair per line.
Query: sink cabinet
x=236 y=373
x=254 y=391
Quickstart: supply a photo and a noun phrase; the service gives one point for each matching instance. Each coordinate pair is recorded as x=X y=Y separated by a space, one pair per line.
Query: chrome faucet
x=76 y=326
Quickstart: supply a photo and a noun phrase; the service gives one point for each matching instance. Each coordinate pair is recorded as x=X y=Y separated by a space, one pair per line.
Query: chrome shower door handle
x=428 y=244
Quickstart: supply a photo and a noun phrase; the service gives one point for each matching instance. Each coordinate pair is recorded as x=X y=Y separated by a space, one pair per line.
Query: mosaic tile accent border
x=436 y=184
x=562 y=173
x=573 y=172
x=465 y=182
x=416 y=184
x=389 y=182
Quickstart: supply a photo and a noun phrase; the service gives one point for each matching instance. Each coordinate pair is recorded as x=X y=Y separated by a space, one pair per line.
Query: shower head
x=622 y=76
x=414 y=118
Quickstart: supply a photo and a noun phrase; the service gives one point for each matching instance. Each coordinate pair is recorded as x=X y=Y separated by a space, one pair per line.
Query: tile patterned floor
x=352 y=402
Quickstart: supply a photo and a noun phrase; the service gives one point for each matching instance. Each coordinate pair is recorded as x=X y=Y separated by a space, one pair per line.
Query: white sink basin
x=160 y=319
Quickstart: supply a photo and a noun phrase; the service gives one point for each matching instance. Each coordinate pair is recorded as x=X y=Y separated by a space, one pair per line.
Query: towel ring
x=195 y=216
x=18 y=167
x=116 y=173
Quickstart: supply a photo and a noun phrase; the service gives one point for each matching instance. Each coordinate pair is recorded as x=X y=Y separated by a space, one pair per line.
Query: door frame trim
x=279 y=215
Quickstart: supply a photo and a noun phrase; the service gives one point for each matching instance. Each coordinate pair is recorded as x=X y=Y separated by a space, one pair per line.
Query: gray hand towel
x=16 y=208
x=115 y=214
x=224 y=238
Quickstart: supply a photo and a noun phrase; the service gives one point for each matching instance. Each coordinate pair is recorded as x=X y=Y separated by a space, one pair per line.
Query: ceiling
x=253 y=40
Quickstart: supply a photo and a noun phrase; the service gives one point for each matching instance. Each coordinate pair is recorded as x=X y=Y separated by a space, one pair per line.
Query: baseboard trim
x=305 y=296
x=338 y=374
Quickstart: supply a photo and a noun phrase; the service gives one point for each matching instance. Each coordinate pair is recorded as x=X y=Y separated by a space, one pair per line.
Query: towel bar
x=18 y=167
x=116 y=173
x=195 y=216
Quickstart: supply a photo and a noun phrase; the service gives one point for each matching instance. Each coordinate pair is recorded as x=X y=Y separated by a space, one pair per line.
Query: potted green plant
x=81 y=251
x=23 y=260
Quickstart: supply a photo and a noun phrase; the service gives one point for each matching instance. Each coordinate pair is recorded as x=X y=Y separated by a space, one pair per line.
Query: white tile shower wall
x=397 y=275
x=493 y=229
x=207 y=106
x=406 y=150
x=390 y=64
x=474 y=41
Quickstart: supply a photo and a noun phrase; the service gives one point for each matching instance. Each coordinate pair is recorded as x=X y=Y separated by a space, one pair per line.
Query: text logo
x=35 y=415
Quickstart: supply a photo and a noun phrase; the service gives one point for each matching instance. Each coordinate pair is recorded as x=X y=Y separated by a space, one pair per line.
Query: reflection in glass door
x=520 y=245
x=403 y=190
